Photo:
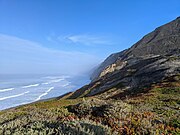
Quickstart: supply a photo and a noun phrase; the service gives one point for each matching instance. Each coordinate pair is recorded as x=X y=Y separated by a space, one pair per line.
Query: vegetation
x=156 y=111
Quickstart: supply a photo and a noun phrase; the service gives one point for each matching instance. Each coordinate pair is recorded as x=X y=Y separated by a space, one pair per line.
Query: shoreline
x=42 y=100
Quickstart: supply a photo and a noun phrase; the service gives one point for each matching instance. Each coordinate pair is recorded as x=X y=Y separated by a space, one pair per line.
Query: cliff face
x=164 y=40
x=153 y=59
x=108 y=62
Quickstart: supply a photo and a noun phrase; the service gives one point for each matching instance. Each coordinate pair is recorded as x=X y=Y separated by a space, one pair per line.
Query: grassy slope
x=155 y=111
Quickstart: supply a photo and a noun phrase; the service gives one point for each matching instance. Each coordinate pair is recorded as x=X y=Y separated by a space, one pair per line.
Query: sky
x=74 y=36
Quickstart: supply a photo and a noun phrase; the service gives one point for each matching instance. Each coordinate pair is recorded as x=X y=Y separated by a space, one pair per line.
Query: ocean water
x=23 y=89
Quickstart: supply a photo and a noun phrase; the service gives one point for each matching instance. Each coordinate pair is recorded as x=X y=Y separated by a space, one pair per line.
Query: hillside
x=164 y=40
x=136 y=91
x=151 y=60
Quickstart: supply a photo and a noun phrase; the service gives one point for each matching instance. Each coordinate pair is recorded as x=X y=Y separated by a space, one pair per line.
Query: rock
x=110 y=60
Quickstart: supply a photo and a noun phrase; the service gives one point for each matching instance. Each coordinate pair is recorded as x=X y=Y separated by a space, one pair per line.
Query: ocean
x=17 y=90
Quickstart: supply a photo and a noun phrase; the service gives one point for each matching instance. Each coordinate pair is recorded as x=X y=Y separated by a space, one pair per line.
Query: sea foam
x=66 y=84
x=33 y=85
x=46 y=92
x=53 y=81
x=13 y=96
x=4 y=90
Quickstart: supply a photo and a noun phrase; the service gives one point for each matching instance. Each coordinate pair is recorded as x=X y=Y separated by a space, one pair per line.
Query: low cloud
x=23 y=56
x=88 y=40
x=82 y=39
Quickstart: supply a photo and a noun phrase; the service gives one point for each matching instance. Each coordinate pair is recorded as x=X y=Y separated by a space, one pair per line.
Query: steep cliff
x=153 y=59
x=164 y=40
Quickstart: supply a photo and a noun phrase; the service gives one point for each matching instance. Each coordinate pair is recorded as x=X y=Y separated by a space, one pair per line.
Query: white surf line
x=66 y=84
x=8 y=89
x=14 y=96
x=58 y=80
x=28 y=86
x=45 y=83
x=52 y=81
x=44 y=94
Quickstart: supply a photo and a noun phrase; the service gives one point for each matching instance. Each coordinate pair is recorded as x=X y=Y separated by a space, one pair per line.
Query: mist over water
x=22 y=89
x=20 y=56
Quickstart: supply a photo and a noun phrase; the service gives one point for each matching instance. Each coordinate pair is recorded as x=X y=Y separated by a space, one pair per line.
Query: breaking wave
x=53 y=81
x=13 y=96
x=33 y=85
x=9 y=89
x=46 y=92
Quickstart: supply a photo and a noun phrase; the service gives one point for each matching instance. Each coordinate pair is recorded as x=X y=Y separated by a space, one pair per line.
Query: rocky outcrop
x=110 y=60
x=153 y=59
x=113 y=67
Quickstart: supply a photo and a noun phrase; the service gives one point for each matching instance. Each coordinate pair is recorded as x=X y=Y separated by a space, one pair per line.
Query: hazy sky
x=72 y=36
